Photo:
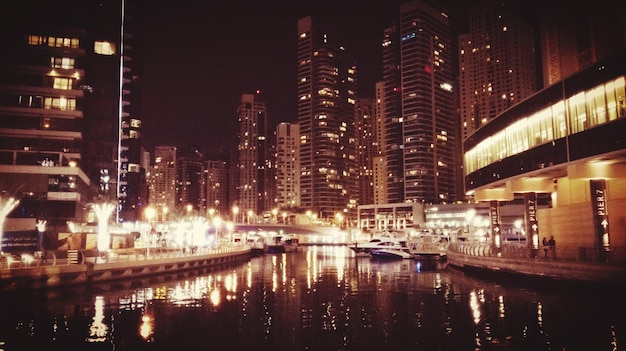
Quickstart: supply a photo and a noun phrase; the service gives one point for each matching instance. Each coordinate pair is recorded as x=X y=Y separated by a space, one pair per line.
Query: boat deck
x=428 y=248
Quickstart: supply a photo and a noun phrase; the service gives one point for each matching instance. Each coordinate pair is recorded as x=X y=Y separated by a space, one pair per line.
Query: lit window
x=62 y=62
x=104 y=48
x=36 y=40
x=135 y=123
x=62 y=83
x=60 y=103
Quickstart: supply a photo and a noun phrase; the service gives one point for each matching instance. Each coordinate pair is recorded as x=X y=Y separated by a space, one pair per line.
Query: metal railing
x=581 y=254
x=429 y=248
x=67 y=257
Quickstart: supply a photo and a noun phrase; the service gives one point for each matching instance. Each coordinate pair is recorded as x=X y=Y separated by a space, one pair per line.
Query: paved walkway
x=518 y=260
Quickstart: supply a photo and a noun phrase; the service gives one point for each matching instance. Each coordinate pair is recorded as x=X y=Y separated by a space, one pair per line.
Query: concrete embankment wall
x=47 y=276
x=553 y=270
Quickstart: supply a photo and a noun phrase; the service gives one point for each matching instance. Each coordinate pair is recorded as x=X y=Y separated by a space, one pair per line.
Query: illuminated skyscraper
x=70 y=132
x=421 y=150
x=163 y=180
x=189 y=177
x=367 y=148
x=497 y=63
x=287 y=165
x=216 y=184
x=577 y=37
x=255 y=165
x=327 y=93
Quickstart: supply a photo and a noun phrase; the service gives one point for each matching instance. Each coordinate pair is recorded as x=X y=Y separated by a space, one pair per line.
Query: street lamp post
x=150 y=213
x=235 y=213
x=103 y=213
x=41 y=230
x=5 y=208
x=217 y=222
x=164 y=211
x=230 y=227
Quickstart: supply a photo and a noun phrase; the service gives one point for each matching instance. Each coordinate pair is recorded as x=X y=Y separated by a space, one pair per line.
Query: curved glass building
x=567 y=140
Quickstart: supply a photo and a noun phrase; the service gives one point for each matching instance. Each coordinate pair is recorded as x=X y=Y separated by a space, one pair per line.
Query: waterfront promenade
x=566 y=264
x=66 y=268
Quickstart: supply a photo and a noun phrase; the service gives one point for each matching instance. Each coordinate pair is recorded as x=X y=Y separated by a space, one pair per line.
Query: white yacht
x=390 y=254
x=366 y=248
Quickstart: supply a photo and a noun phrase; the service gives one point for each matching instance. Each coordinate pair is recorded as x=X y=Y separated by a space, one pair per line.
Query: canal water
x=322 y=298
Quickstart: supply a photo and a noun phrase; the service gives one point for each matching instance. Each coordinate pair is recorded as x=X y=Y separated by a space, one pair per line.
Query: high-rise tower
x=190 y=191
x=216 y=183
x=254 y=158
x=577 y=37
x=70 y=128
x=163 y=180
x=327 y=93
x=421 y=139
x=367 y=148
x=497 y=63
x=287 y=165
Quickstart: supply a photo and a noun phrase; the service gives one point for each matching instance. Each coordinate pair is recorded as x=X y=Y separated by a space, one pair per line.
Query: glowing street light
x=217 y=222
x=41 y=228
x=103 y=213
x=164 y=211
x=518 y=228
x=235 y=213
x=339 y=218
x=5 y=208
x=72 y=227
x=150 y=212
x=230 y=226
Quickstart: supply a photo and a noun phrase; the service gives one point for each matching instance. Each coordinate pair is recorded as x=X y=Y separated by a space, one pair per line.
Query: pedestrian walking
x=545 y=247
x=552 y=246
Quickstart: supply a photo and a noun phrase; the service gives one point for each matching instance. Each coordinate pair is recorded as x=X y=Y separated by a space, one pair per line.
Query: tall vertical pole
x=530 y=219
x=5 y=208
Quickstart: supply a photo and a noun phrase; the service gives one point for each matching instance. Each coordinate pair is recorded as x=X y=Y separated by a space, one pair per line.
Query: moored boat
x=291 y=243
x=256 y=242
x=377 y=243
x=274 y=244
x=390 y=254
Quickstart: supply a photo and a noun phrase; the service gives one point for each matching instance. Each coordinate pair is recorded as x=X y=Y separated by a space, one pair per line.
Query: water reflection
x=320 y=299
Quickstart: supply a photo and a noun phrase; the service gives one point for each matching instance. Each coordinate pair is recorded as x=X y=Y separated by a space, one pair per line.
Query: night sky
x=199 y=56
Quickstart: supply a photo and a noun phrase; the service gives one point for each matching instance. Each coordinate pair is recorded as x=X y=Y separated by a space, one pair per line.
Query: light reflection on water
x=320 y=299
